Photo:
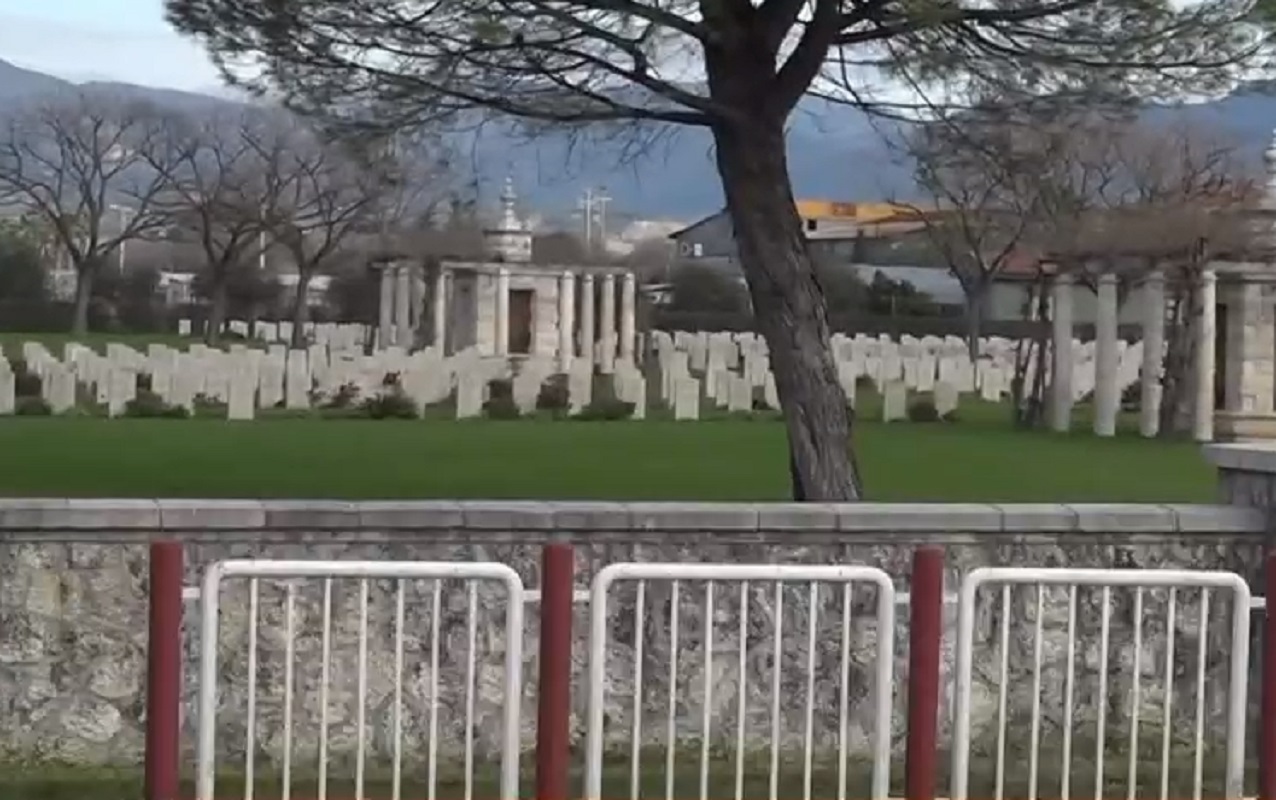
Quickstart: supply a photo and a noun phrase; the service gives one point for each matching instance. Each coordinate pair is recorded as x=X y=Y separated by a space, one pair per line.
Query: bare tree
x=1124 y=197
x=979 y=172
x=221 y=191
x=85 y=163
x=1180 y=197
x=326 y=196
x=737 y=68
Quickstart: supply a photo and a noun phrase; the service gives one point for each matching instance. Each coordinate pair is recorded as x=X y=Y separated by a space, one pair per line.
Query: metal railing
x=935 y=533
x=754 y=582
x=400 y=575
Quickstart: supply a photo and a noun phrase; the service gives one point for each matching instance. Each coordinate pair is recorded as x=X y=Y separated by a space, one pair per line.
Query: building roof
x=856 y=215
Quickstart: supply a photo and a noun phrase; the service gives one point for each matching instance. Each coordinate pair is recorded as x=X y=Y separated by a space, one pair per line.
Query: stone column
x=1248 y=373
x=1061 y=349
x=607 y=335
x=1107 y=397
x=418 y=298
x=385 y=308
x=1153 y=353
x=440 y=310
x=1203 y=411
x=403 y=307
x=502 y=312
x=566 y=320
x=587 y=297
x=628 y=311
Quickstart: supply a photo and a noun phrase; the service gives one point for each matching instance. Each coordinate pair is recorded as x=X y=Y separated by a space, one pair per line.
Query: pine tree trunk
x=789 y=307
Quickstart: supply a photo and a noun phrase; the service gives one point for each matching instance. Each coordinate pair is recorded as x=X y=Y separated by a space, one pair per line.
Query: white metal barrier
x=364 y=572
x=1171 y=582
x=744 y=575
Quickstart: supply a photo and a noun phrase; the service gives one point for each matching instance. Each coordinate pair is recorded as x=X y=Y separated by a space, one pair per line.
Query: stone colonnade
x=604 y=335
x=1107 y=396
x=402 y=292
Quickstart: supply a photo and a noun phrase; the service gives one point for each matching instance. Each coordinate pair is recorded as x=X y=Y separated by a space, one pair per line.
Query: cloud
x=81 y=52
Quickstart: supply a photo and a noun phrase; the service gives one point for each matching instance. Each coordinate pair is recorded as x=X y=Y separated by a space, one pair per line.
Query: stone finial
x=509 y=212
x=510 y=240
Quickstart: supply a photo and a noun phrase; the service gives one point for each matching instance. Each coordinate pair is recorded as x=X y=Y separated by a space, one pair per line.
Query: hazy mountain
x=835 y=152
x=17 y=83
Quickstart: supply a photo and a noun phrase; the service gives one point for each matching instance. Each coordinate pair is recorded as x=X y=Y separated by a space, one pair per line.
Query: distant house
x=711 y=240
x=867 y=237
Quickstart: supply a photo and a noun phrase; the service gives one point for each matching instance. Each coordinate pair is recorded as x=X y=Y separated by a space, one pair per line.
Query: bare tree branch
x=76 y=158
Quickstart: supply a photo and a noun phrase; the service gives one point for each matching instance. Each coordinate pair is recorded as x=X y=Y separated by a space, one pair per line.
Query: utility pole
x=595 y=202
x=587 y=213
x=602 y=199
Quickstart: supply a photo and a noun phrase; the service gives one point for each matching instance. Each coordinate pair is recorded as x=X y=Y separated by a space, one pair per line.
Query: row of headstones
x=247 y=379
x=919 y=364
x=334 y=335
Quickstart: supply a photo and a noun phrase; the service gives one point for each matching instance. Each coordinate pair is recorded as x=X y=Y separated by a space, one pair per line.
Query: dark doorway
x=521 y=321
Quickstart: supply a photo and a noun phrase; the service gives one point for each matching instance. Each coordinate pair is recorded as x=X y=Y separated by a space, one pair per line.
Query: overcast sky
x=124 y=40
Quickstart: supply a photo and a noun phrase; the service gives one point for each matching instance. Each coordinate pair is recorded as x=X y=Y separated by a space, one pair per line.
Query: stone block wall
x=73 y=593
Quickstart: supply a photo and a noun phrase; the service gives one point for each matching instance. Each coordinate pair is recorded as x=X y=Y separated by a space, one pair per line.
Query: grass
x=67 y=783
x=979 y=459
x=11 y=343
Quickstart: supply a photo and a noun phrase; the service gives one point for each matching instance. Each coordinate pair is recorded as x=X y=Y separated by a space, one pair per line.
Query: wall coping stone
x=1242 y=456
x=140 y=516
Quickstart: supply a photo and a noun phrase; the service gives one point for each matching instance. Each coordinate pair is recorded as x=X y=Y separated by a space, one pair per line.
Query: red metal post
x=553 y=720
x=1267 y=721
x=164 y=673
x=925 y=638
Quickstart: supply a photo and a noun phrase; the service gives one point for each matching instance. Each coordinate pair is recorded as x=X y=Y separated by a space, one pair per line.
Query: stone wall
x=73 y=590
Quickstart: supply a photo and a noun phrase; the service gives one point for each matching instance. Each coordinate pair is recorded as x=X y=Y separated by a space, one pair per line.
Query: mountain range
x=835 y=152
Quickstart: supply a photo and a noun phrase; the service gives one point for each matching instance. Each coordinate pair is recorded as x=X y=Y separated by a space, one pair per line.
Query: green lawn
x=978 y=459
x=11 y=343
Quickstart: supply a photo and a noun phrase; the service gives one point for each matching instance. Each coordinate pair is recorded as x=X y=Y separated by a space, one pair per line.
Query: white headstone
x=8 y=387
x=469 y=394
x=945 y=398
x=894 y=401
x=242 y=401
x=686 y=398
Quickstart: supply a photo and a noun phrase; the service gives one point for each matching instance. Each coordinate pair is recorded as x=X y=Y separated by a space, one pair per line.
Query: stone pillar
x=1203 y=410
x=1061 y=350
x=440 y=310
x=587 y=296
x=1107 y=397
x=566 y=320
x=607 y=334
x=502 y=312
x=403 y=307
x=1153 y=353
x=418 y=299
x=385 y=308
x=1248 y=373
x=628 y=311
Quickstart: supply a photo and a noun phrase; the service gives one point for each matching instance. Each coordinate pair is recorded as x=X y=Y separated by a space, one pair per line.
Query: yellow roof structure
x=850 y=211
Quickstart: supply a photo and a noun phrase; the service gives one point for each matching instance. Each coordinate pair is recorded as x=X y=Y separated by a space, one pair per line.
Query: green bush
x=346 y=396
x=28 y=406
x=501 y=408
x=923 y=411
x=207 y=407
x=554 y=395
x=392 y=404
x=606 y=409
x=150 y=405
x=500 y=389
x=25 y=382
